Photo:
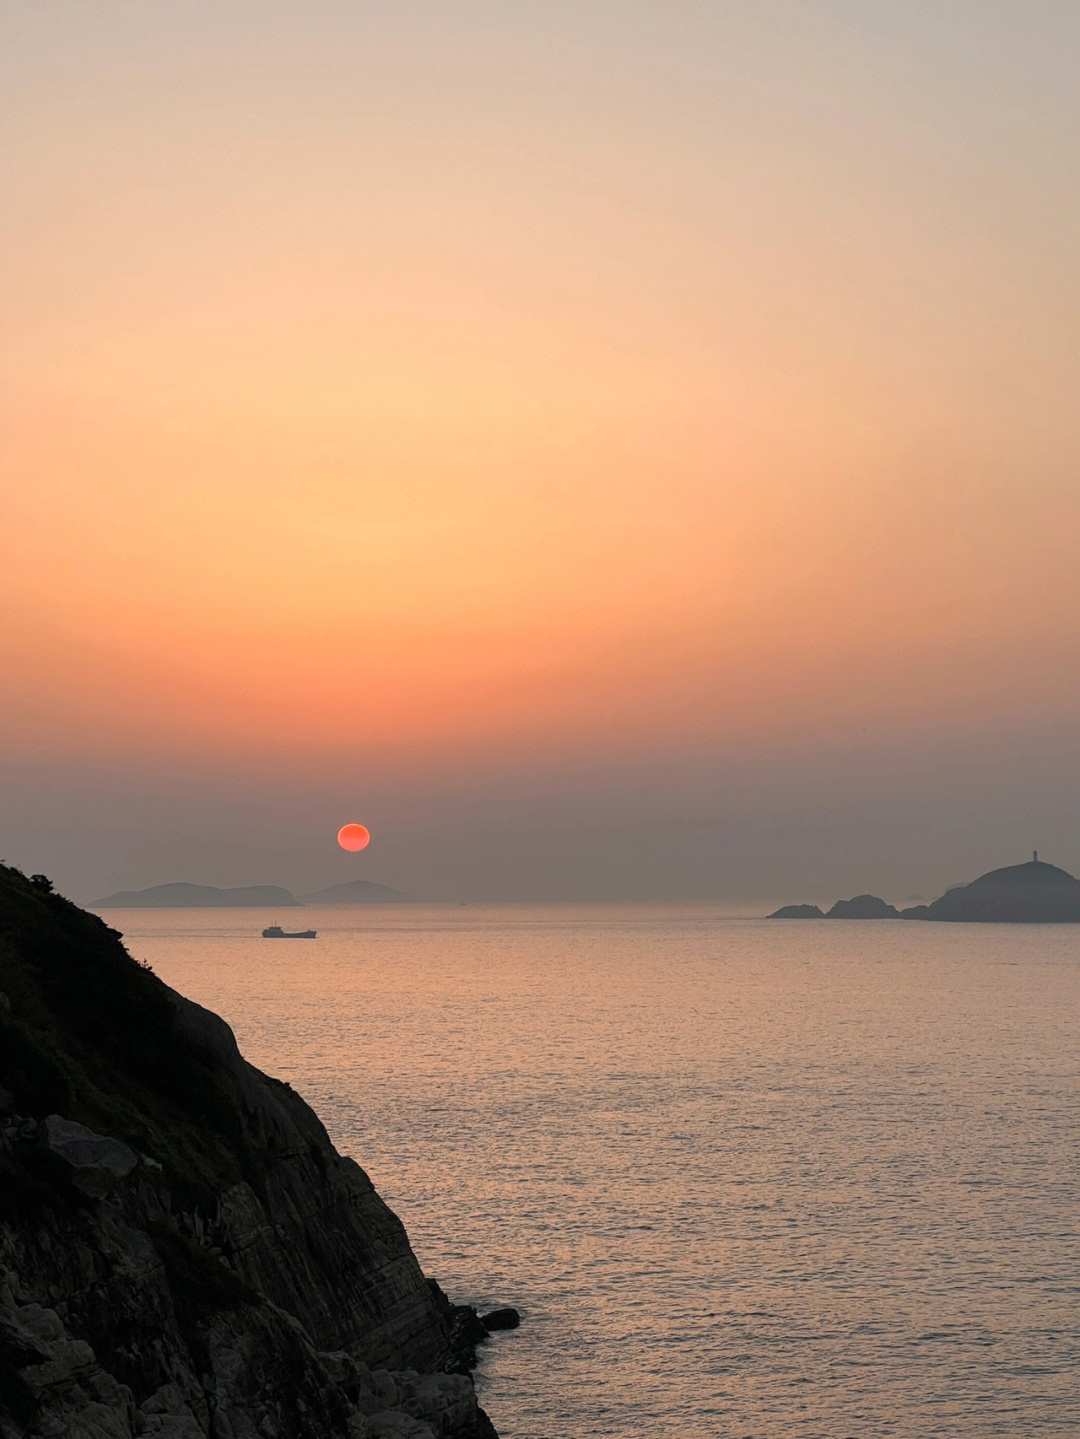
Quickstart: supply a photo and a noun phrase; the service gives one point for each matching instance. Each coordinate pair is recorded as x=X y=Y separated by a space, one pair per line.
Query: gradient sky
x=611 y=451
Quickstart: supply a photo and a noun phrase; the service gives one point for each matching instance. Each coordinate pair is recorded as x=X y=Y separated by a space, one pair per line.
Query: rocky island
x=1031 y=893
x=183 y=1252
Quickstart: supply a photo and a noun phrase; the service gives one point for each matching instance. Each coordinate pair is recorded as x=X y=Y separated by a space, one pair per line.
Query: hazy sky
x=608 y=450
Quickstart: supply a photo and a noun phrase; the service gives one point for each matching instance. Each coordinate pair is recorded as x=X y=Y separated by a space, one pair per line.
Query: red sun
x=353 y=836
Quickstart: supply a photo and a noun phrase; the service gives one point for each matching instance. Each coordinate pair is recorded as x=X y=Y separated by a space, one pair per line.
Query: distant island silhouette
x=1031 y=893
x=253 y=896
x=359 y=891
x=198 y=896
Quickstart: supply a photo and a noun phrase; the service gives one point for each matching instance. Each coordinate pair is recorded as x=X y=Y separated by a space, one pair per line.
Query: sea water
x=741 y=1177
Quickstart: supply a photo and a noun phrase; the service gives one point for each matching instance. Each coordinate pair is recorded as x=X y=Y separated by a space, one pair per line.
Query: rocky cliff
x=182 y=1251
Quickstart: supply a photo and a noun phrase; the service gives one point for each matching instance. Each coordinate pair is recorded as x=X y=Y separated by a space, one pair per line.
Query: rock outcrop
x=93 y=1164
x=797 y=911
x=183 y=1252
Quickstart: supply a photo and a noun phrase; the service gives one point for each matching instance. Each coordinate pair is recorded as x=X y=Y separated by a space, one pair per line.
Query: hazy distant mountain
x=359 y=891
x=198 y=896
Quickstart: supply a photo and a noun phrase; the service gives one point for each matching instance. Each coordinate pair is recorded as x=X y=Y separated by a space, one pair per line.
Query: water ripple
x=741 y=1179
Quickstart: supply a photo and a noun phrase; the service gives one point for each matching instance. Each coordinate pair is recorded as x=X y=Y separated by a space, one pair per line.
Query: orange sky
x=532 y=391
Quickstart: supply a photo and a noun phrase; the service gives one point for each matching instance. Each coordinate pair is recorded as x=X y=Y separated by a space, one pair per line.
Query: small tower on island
x=1035 y=856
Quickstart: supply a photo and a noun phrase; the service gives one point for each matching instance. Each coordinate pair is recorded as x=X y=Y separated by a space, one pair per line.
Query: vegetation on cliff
x=93 y=1035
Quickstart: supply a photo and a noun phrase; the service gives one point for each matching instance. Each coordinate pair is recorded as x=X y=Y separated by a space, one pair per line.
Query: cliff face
x=182 y=1251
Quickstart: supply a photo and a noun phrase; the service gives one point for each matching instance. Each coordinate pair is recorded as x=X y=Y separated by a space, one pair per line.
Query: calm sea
x=742 y=1178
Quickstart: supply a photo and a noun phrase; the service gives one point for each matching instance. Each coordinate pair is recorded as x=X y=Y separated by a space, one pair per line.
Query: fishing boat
x=276 y=932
